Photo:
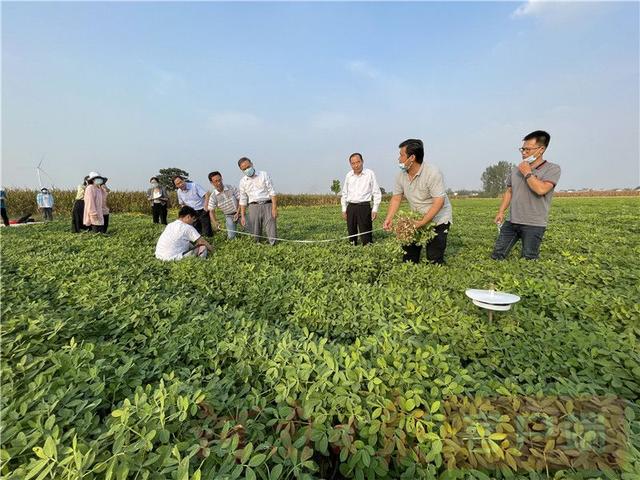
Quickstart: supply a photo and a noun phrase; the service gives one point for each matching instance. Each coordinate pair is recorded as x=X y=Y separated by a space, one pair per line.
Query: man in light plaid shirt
x=224 y=197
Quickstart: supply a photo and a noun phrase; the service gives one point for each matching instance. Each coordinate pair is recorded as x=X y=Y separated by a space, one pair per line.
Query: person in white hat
x=94 y=203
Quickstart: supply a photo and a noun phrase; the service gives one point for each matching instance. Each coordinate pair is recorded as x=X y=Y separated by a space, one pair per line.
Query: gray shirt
x=420 y=192
x=527 y=207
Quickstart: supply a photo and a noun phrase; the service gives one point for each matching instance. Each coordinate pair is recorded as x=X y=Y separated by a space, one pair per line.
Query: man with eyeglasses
x=529 y=192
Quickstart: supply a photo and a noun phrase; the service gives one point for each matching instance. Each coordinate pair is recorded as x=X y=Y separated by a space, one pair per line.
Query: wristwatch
x=526 y=177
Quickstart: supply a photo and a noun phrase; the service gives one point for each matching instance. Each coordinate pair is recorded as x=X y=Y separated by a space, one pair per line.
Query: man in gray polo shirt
x=529 y=192
x=423 y=186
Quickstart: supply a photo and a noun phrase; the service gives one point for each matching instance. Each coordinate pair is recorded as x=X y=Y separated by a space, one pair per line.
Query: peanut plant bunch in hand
x=406 y=231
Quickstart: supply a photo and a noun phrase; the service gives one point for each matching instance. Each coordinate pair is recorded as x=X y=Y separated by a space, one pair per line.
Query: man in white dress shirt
x=359 y=188
x=257 y=192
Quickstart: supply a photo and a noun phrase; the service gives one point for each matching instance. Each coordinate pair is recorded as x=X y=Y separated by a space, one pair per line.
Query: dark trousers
x=359 y=220
x=510 y=233
x=106 y=223
x=159 y=211
x=47 y=213
x=203 y=223
x=77 y=215
x=435 y=247
x=5 y=217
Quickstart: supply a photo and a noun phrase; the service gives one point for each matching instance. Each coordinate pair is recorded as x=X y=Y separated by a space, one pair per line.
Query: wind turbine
x=39 y=171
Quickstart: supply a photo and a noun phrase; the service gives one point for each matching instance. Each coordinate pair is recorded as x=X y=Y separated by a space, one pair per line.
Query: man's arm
x=537 y=186
x=206 y=201
x=506 y=200
x=377 y=196
x=436 y=206
x=394 y=205
x=202 y=242
x=212 y=216
x=274 y=207
x=343 y=197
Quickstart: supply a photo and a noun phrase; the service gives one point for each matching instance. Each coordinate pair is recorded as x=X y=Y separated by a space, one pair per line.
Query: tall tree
x=165 y=177
x=335 y=187
x=494 y=178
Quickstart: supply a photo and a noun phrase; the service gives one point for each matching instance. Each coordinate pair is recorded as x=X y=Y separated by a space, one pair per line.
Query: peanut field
x=322 y=360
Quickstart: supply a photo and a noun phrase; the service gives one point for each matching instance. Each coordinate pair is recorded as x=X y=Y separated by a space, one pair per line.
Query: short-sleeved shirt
x=176 y=240
x=258 y=188
x=527 y=207
x=427 y=185
x=226 y=200
x=193 y=196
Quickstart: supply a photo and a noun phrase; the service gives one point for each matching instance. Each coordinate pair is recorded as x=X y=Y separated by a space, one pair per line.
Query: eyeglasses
x=528 y=149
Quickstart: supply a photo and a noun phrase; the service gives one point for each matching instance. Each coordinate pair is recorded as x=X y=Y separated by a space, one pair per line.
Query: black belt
x=360 y=203
x=230 y=214
x=260 y=203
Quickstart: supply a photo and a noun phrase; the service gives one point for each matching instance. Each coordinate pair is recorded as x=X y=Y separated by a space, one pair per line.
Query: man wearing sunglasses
x=529 y=192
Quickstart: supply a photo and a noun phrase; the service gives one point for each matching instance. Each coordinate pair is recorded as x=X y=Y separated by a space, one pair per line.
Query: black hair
x=354 y=154
x=213 y=174
x=86 y=181
x=414 y=147
x=154 y=178
x=187 y=210
x=175 y=177
x=243 y=159
x=541 y=137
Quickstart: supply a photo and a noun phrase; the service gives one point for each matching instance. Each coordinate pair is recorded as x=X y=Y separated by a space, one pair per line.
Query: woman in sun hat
x=94 y=203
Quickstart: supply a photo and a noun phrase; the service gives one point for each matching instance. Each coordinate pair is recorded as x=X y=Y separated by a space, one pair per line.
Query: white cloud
x=560 y=12
x=530 y=7
x=232 y=121
x=360 y=67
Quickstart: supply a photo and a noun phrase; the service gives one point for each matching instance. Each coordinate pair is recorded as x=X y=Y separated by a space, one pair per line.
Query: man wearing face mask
x=528 y=196
x=45 y=204
x=158 y=197
x=193 y=195
x=423 y=187
x=359 y=188
x=256 y=191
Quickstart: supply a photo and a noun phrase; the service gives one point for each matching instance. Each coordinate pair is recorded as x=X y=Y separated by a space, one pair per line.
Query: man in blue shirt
x=193 y=195
x=45 y=204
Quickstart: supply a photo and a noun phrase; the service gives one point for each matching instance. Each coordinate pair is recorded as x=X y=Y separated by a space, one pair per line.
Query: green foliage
x=494 y=178
x=165 y=177
x=335 y=187
x=315 y=361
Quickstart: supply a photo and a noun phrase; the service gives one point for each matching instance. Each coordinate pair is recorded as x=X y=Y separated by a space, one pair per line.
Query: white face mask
x=154 y=184
x=98 y=181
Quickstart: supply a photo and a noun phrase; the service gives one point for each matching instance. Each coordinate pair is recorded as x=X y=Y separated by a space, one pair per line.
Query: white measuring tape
x=302 y=241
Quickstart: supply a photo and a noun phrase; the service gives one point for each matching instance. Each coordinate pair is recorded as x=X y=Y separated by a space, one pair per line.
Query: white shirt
x=193 y=196
x=256 y=189
x=176 y=240
x=361 y=188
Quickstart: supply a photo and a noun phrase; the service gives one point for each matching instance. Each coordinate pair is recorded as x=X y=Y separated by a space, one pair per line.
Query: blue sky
x=128 y=88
